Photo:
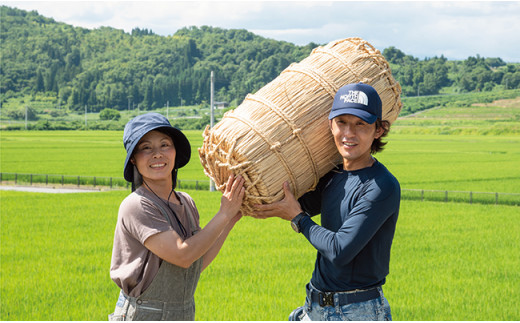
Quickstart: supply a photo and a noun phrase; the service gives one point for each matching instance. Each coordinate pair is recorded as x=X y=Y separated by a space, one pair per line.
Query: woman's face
x=154 y=157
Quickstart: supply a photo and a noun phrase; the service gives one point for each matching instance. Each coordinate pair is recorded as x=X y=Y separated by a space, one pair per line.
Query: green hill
x=53 y=71
x=107 y=67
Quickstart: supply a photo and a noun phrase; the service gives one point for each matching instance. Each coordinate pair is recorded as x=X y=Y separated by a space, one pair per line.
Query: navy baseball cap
x=139 y=126
x=358 y=99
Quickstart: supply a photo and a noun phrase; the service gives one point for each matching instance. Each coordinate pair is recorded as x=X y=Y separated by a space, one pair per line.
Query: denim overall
x=170 y=296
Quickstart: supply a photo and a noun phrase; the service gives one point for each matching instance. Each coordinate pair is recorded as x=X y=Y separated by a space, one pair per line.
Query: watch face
x=294 y=225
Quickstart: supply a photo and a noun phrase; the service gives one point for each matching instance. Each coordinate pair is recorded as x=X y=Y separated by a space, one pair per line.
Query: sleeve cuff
x=305 y=224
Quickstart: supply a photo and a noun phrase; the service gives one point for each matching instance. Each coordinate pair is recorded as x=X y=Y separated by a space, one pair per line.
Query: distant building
x=221 y=105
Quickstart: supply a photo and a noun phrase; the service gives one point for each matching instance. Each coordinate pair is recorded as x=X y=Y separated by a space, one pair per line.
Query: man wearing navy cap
x=359 y=205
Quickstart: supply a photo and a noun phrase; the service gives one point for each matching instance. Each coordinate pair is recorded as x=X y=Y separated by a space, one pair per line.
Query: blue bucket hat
x=358 y=99
x=139 y=126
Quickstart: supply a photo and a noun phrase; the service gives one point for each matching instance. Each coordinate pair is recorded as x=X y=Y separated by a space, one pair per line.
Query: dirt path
x=35 y=189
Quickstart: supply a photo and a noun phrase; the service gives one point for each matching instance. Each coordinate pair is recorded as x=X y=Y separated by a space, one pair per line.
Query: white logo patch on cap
x=355 y=97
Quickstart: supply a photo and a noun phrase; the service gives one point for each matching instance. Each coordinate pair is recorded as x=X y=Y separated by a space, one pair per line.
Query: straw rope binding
x=281 y=133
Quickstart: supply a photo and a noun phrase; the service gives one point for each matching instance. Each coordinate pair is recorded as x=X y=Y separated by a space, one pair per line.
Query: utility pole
x=167 y=108
x=86 y=117
x=212 y=87
x=211 y=99
x=26 y=117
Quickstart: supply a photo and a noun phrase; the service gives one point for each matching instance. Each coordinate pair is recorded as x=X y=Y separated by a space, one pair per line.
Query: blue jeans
x=376 y=309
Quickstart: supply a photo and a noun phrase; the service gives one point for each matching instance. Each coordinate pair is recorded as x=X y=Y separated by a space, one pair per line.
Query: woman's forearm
x=183 y=253
x=172 y=248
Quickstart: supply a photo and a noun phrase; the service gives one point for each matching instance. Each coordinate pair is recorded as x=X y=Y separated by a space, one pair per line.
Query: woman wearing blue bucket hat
x=159 y=248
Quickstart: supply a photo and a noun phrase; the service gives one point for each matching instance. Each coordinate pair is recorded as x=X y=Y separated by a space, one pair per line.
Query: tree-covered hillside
x=108 y=68
x=431 y=75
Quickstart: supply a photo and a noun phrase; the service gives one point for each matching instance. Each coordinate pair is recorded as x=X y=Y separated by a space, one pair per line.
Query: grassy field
x=450 y=261
x=89 y=153
x=451 y=148
x=455 y=162
x=474 y=148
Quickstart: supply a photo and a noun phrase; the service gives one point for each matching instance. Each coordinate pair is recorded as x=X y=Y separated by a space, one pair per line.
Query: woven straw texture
x=281 y=133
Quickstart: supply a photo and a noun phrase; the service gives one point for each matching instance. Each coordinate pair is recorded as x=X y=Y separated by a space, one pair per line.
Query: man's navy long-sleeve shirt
x=359 y=211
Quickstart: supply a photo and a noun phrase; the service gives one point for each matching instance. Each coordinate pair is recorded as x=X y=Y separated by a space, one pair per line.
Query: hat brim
x=362 y=114
x=181 y=143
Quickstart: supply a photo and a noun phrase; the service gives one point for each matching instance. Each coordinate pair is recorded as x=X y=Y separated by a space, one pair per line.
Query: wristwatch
x=295 y=222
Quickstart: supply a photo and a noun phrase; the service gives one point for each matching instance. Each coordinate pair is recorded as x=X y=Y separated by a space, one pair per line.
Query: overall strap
x=190 y=216
x=163 y=211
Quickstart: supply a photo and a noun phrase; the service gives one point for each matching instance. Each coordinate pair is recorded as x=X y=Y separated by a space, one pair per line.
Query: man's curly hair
x=378 y=144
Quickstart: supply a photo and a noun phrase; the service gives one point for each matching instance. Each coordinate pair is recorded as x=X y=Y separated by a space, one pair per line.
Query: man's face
x=353 y=138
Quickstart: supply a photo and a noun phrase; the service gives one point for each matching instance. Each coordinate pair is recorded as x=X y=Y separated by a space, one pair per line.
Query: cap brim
x=362 y=114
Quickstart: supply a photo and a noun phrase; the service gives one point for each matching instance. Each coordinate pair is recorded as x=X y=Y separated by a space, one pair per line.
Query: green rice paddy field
x=450 y=261
x=453 y=162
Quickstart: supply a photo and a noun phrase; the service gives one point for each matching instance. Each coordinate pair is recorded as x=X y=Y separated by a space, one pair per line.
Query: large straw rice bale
x=281 y=132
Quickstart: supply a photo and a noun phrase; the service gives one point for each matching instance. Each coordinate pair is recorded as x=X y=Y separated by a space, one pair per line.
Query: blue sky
x=456 y=30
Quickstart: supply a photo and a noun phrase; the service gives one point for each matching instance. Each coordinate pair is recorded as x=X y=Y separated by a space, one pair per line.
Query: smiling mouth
x=158 y=165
